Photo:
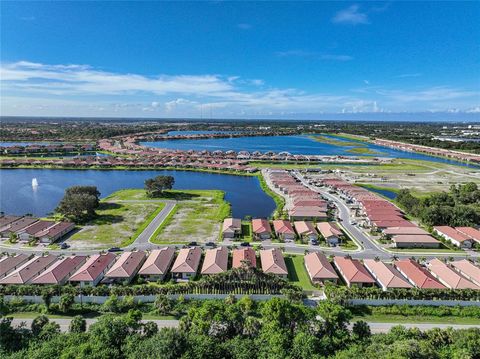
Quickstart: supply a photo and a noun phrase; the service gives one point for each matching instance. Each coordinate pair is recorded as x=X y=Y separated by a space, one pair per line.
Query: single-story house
x=319 y=269
x=18 y=225
x=283 y=230
x=471 y=232
x=28 y=233
x=330 y=232
x=126 y=267
x=29 y=270
x=452 y=235
x=93 y=270
x=186 y=265
x=55 y=232
x=60 y=271
x=417 y=275
x=273 y=262
x=386 y=275
x=306 y=229
x=415 y=241
x=468 y=270
x=307 y=214
x=400 y=231
x=157 y=264
x=261 y=229
x=447 y=276
x=353 y=272
x=215 y=261
x=244 y=256
x=11 y=263
x=232 y=227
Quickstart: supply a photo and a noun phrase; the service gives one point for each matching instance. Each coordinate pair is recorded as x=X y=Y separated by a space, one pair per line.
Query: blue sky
x=238 y=59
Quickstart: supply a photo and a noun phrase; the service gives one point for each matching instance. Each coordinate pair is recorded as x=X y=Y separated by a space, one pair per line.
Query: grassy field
x=118 y=223
x=297 y=272
x=363 y=151
x=197 y=217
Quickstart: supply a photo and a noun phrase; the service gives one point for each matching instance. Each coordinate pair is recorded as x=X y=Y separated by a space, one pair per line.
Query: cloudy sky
x=237 y=59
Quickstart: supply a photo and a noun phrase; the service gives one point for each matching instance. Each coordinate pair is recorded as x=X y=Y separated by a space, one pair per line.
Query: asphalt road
x=170 y=323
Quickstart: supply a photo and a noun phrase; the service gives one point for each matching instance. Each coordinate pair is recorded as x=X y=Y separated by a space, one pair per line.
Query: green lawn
x=297 y=272
x=118 y=223
x=390 y=318
x=197 y=217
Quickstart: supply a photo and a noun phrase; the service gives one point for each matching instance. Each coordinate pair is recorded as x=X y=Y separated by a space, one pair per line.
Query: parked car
x=115 y=249
x=210 y=244
x=192 y=244
x=245 y=244
x=314 y=242
x=64 y=245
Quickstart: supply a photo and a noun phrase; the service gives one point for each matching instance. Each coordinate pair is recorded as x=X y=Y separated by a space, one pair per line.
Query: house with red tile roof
x=93 y=270
x=447 y=276
x=11 y=263
x=386 y=275
x=306 y=230
x=125 y=267
x=16 y=226
x=215 y=261
x=244 y=256
x=28 y=233
x=417 y=275
x=29 y=270
x=307 y=213
x=319 y=269
x=467 y=269
x=330 y=232
x=186 y=265
x=273 y=262
x=157 y=264
x=55 y=232
x=261 y=229
x=60 y=272
x=400 y=231
x=452 y=235
x=470 y=232
x=353 y=272
x=232 y=227
x=415 y=241
x=283 y=230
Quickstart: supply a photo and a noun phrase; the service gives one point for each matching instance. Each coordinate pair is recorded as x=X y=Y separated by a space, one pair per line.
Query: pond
x=17 y=196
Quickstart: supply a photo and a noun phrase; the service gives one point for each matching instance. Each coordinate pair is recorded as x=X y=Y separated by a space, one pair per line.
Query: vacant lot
x=197 y=217
x=118 y=223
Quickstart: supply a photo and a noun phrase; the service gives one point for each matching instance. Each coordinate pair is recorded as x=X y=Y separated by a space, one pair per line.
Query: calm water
x=296 y=144
x=18 y=197
x=384 y=192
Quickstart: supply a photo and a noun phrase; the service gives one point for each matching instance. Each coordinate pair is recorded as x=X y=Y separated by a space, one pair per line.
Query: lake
x=18 y=197
x=294 y=144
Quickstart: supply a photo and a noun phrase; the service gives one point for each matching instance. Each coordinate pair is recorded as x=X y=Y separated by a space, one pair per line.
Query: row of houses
x=405 y=273
x=263 y=229
x=375 y=212
x=461 y=156
x=463 y=237
x=108 y=268
x=26 y=229
x=50 y=148
x=302 y=202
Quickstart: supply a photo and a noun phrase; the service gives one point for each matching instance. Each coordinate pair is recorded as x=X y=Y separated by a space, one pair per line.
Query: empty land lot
x=198 y=216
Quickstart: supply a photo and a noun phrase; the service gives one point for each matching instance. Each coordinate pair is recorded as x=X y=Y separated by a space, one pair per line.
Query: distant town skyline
x=238 y=59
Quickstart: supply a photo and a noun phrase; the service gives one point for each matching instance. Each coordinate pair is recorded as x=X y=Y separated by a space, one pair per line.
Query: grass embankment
x=336 y=141
x=196 y=217
x=297 y=274
x=363 y=151
x=118 y=223
x=279 y=200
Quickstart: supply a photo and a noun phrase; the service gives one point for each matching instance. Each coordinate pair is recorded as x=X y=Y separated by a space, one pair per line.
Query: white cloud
x=351 y=15
x=80 y=90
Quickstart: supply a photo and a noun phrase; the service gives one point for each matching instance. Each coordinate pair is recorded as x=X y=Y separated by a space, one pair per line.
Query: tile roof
x=93 y=268
x=273 y=261
x=244 y=254
x=386 y=274
x=187 y=260
x=452 y=233
x=417 y=275
x=353 y=270
x=29 y=270
x=56 y=273
x=448 y=276
x=260 y=225
x=126 y=265
x=318 y=266
x=158 y=261
x=215 y=261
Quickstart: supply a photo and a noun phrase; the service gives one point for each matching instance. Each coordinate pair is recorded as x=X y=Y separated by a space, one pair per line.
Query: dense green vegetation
x=79 y=203
x=458 y=207
x=279 y=200
x=155 y=186
x=233 y=328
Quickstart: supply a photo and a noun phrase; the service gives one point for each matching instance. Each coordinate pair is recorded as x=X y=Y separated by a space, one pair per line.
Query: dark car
x=64 y=246
x=245 y=244
x=193 y=244
x=314 y=242
x=115 y=249
x=210 y=244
